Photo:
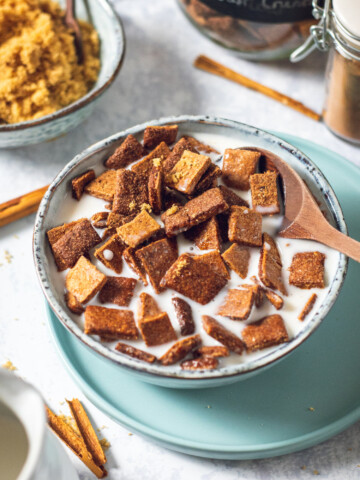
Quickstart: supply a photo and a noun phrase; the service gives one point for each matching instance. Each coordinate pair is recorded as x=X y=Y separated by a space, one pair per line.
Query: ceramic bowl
x=94 y=156
x=112 y=48
x=46 y=457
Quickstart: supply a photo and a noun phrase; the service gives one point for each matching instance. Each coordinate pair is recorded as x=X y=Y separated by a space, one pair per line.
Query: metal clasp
x=320 y=34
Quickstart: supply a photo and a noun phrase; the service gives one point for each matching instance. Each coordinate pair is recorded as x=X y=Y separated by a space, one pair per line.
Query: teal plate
x=305 y=399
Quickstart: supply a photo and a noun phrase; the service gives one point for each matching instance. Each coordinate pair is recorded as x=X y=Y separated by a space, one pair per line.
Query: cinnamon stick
x=75 y=442
x=205 y=63
x=21 y=206
x=87 y=432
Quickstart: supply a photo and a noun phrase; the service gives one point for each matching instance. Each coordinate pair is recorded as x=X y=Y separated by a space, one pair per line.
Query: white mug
x=30 y=449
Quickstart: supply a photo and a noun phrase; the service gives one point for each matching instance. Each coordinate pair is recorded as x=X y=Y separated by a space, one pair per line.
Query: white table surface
x=157 y=79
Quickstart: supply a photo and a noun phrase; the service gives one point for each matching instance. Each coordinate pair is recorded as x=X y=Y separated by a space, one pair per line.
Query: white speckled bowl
x=173 y=376
x=112 y=48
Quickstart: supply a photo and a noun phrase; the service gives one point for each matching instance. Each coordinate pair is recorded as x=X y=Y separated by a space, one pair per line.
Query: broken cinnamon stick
x=208 y=65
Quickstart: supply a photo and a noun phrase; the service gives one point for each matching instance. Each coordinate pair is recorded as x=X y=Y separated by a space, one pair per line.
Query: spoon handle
x=333 y=238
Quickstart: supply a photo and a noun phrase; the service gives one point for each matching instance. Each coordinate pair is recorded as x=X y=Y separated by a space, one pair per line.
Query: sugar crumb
x=172 y=210
x=105 y=444
x=145 y=207
x=8 y=365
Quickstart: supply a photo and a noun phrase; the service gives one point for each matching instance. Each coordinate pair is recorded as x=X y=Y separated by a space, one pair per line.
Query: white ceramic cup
x=45 y=456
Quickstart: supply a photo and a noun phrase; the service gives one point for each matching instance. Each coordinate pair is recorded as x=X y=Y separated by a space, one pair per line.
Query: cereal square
x=270 y=265
x=118 y=290
x=307 y=307
x=157 y=330
x=157 y=258
x=129 y=151
x=79 y=183
x=264 y=193
x=200 y=147
x=135 y=264
x=138 y=230
x=231 y=198
x=245 y=227
x=184 y=316
x=147 y=306
x=209 y=179
x=237 y=258
x=307 y=270
x=110 y=323
x=197 y=210
x=180 y=350
x=130 y=194
x=144 y=166
x=155 y=189
x=206 y=235
x=74 y=243
x=205 y=362
x=215 y=330
x=238 y=304
x=212 y=351
x=274 y=299
x=155 y=135
x=175 y=155
x=238 y=166
x=207 y=272
x=135 y=352
x=73 y=305
x=265 y=333
x=54 y=234
x=99 y=219
x=84 y=280
x=103 y=186
x=110 y=253
x=187 y=172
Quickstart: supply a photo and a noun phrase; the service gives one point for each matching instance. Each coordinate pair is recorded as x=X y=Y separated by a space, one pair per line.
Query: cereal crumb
x=303 y=467
x=130 y=434
x=8 y=256
x=146 y=207
x=9 y=366
x=172 y=210
x=316 y=472
x=132 y=206
x=157 y=162
x=105 y=444
x=312 y=409
x=208 y=406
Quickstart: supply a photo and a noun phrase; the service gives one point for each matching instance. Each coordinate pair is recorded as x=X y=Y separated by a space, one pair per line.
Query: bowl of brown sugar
x=45 y=90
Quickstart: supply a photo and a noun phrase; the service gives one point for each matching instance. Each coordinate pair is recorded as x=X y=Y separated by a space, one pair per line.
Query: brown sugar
x=40 y=73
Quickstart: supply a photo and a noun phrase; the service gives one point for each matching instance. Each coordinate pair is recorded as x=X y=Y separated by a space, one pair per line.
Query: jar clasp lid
x=319 y=38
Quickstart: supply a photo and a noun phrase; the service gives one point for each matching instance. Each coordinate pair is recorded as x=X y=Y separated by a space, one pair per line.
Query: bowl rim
x=234 y=370
x=92 y=94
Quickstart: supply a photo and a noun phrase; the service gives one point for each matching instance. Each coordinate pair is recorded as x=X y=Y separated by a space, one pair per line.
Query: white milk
x=293 y=303
x=13 y=444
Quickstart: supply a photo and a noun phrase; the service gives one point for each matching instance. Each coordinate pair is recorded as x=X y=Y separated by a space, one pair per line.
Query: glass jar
x=256 y=29
x=338 y=33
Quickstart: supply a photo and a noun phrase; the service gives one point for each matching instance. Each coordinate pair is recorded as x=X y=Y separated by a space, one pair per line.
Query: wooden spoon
x=72 y=24
x=303 y=217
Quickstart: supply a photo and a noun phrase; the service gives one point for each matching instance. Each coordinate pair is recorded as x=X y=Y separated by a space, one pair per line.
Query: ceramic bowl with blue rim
x=112 y=49
x=204 y=127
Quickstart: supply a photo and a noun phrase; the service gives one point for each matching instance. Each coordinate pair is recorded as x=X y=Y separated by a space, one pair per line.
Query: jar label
x=265 y=11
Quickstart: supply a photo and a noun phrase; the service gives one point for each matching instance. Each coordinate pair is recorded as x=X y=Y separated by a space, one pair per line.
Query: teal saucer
x=305 y=399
